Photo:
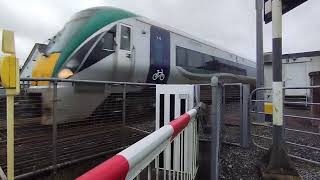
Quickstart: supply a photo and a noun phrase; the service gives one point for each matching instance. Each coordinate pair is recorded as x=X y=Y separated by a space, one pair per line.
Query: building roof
x=268 y=55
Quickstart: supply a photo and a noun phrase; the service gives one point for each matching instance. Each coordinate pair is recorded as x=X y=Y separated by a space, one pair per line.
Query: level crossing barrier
x=129 y=163
x=301 y=126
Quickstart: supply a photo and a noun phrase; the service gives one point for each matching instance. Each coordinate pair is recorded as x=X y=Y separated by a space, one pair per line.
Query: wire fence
x=301 y=125
x=232 y=112
x=73 y=121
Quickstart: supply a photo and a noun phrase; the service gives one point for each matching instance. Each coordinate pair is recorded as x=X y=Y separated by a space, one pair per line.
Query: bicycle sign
x=159 y=74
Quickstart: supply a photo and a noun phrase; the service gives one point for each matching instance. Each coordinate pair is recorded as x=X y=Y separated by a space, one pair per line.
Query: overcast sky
x=228 y=23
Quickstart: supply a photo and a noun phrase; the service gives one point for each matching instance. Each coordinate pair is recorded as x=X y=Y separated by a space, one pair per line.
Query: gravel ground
x=240 y=163
x=292 y=137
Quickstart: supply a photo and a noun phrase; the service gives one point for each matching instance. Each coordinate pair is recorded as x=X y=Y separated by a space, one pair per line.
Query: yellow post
x=10 y=136
x=10 y=80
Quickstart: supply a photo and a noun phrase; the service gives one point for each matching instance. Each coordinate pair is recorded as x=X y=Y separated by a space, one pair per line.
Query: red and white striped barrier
x=130 y=162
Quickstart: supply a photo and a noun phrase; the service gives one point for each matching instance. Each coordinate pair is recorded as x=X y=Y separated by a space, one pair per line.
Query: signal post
x=10 y=80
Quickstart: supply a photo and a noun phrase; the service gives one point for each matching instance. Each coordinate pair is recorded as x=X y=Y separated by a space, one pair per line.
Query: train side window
x=108 y=41
x=125 y=38
x=103 y=48
x=181 y=56
x=79 y=56
x=198 y=62
x=194 y=59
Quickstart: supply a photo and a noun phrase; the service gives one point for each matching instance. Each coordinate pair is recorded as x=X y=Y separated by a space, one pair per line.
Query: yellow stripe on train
x=44 y=68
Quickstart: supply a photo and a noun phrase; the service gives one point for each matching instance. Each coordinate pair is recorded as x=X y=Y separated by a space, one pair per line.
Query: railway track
x=306 y=146
x=102 y=132
x=34 y=151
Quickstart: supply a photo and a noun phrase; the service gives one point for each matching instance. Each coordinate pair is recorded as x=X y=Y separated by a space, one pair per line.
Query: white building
x=296 y=69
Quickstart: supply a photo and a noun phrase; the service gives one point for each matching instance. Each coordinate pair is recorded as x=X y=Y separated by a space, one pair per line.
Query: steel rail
x=289 y=129
x=286 y=102
x=293 y=116
x=30 y=174
x=290 y=155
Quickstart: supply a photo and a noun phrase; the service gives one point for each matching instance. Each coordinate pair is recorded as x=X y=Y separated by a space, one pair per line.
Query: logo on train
x=159 y=74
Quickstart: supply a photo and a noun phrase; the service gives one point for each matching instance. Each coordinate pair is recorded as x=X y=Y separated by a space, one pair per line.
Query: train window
x=194 y=59
x=103 y=48
x=108 y=41
x=125 y=38
x=198 y=62
x=181 y=56
x=78 y=57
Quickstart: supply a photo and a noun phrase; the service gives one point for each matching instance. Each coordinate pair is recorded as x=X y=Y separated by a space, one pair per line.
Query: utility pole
x=277 y=84
x=276 y=164
x=279 y=165
x=259 y=59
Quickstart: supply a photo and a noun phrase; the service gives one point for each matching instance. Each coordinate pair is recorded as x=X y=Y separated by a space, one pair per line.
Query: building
x=298 y=69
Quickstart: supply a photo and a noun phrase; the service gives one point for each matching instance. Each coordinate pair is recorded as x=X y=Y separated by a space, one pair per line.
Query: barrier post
x=245 y=123
x=124 y=97
x=215 y=126
x=10 y=136
x=260 y=60
x=54 y=128
x=9 y=73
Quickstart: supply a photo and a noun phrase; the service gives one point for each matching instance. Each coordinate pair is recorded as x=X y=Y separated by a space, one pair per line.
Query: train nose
x=44 y=67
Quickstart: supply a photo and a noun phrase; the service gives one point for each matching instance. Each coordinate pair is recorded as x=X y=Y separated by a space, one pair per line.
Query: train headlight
x=65 y=73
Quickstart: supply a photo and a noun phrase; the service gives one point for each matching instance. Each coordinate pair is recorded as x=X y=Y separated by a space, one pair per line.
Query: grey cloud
x=228 y=23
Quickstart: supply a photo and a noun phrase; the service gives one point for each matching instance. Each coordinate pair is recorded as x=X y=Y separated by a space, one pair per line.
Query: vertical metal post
x=157 y=167
x=259 y=58
x=244 y=124
x=124 y=96
x=54 y=128
x=149 y=172
x=215 y=126
x=10 y=136
x=277 y=85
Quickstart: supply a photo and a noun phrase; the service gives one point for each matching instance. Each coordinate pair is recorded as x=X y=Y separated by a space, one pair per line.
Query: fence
x=130 y=163
x=72 y=121
x=226 y=121
x=302 y=122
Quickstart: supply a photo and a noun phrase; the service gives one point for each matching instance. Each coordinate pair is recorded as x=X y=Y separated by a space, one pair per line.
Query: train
x=112 y=44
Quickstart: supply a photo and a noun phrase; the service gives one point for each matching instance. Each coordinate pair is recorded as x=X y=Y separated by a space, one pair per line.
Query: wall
x=295 y=72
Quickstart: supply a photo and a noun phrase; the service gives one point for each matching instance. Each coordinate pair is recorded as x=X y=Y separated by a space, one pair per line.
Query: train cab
x=94 y=43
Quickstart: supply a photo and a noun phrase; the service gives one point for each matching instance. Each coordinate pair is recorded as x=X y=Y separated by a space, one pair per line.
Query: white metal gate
x=180 y=157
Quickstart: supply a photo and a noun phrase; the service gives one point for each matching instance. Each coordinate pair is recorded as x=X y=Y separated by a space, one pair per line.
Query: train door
x=124 y=62
x=159 y=69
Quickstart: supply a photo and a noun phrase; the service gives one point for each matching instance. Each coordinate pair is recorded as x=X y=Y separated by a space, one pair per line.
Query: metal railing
x=131 y=162
x=235 y=102
x=301 y=127
x=75 y=120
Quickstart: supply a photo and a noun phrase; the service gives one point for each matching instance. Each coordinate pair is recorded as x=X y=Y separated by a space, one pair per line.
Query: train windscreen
x=59 y=41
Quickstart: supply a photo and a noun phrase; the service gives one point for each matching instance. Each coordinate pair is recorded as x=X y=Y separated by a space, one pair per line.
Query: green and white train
x=111 y=44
